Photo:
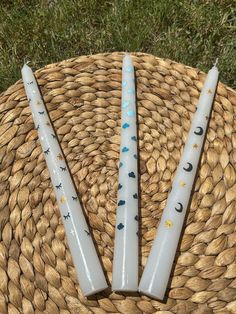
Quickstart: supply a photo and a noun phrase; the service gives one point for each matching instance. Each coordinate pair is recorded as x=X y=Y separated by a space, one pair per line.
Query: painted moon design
x=199 y=130
x=179 y=209
x=189 y=168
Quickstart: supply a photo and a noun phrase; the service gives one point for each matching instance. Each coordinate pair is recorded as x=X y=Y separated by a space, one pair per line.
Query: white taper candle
x=89 y=271
x=157 y=270
x=125 y=260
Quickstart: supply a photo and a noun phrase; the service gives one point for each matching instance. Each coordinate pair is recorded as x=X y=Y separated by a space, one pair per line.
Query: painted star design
x=182 y=183
x=209 y=91
x=60 y=157
x=206 y=117
x=48 y=123
x=39 y=102
x=168 y=224
x=62 y=199
x=195 y=146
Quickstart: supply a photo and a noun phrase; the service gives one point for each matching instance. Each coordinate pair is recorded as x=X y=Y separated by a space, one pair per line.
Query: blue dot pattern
x=125 y=125
x=130 y=91
x=125 y=104
x=119 y=186
x=130 y=113
x=121 y=202
x=125 y=149
x=120 y=226
x=129 y=69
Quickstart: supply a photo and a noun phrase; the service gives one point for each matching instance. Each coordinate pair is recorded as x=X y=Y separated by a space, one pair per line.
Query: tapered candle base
x=126 y=287
x=152 y=292
x=95 y=290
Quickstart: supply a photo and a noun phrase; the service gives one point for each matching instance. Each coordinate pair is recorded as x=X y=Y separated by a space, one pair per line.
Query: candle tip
x=26 y=62
x=216 y=62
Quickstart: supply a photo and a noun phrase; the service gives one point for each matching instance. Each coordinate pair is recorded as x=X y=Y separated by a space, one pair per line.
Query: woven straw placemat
x=83 y=97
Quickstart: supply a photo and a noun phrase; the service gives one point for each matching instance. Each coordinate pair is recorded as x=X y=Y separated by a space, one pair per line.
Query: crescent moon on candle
x=200 y=131
x=189 y=168
x=180 y=208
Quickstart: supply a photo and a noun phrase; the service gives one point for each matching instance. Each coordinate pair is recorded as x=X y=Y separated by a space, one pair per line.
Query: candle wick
x=26 y=61
x=216 y=62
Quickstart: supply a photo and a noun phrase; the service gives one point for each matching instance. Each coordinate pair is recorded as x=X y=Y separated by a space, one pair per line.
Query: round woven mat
x=83 y=97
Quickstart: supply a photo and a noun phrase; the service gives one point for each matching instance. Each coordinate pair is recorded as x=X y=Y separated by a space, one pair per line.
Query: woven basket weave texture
x=83 y=98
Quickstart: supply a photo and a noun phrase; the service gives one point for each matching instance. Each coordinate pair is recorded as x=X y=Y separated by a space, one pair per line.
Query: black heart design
x=136 y=217
x=119 y=186
x=131 y=174
x=135 y=195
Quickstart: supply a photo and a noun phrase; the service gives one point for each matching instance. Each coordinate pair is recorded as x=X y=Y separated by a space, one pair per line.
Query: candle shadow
x=139 y=188
x=187 y=213
x=100 y=295
x=107 y=292
x=73 y=182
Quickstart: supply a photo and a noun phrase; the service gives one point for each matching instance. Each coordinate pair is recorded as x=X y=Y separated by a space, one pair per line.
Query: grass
x=46 y=31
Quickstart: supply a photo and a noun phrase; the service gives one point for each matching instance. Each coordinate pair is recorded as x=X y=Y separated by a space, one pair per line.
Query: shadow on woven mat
x=82 y=96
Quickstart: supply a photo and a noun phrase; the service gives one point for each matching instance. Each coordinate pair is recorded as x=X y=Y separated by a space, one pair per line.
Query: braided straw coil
x=83 y=98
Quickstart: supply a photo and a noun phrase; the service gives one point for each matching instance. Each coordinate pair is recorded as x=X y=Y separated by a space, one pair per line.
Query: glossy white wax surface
x=86 y=262
x=160 y=261
x=125 y=259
